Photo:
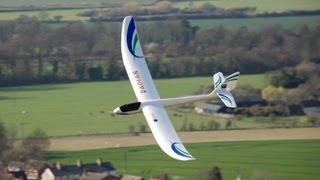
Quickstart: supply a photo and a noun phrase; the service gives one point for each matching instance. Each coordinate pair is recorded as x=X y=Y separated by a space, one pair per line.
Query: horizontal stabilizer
x=227 y=98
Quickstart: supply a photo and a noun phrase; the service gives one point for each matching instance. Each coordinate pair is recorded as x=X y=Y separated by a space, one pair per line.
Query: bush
x=213 y=125
x=314 y=121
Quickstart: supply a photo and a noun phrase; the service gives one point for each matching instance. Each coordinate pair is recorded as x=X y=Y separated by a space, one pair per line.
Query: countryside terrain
x=77 y=116
x=85 y=108
x=69 y=11
x=285 y=160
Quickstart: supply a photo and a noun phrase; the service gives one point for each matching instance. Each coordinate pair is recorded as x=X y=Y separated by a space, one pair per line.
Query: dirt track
x=108 y=141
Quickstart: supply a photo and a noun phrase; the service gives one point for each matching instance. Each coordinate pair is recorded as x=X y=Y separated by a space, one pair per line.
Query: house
x=218 y=109
x=34 y=169
x=15 y=166
x=56 y=172
x=311 y=107
x=100 y=167
x=78 y=170
x=17 y=170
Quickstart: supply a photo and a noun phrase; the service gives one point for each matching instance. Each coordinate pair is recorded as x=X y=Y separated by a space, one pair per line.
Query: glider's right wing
x=164 y=133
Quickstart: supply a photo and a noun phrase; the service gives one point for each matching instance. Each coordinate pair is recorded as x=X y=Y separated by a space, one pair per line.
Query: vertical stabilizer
x=218 y=79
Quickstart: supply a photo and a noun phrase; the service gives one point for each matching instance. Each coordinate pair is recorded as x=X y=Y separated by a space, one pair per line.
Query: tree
x=35 y=144
x=228 y=124
x=43 y=15
x=314 y=121
x=183 y=126
x=213 y=174
x=58 y=18
x=191 y=127
x=3 y=140
x=131 y=128
x=213 y=125
x=271 y=93
x=287 y=77
x=142 y=128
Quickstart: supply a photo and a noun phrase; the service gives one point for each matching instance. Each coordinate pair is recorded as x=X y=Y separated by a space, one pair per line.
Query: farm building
x=311 y=107
x=218 y=109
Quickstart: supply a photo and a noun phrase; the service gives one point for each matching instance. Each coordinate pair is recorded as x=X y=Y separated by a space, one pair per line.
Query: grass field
x=64 y=2
x=261 y=5
x=258 y=23
x=285 y=160
x=68 y=15
x=82 y=108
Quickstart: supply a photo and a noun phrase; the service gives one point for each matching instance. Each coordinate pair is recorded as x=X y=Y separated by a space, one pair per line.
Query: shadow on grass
x=4 y=98
x=49 y=156
x=34 y=88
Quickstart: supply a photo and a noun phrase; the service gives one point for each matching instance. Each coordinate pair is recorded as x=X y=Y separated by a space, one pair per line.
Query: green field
x=82 y=108
x=258 y=23
x=68 y=14
x=285 y=160
x=15 y=3
x=261 y=5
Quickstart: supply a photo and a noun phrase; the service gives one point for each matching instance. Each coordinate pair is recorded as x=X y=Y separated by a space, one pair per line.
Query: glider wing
x=145 y=90
x=135 y=62
x=164 y=133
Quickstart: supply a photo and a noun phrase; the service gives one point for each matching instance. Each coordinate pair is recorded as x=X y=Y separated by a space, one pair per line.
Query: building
x=98 y=176
x=215 y=109
x=311 y=107
x=98 y=169
x=17 y=170
x=34 y=169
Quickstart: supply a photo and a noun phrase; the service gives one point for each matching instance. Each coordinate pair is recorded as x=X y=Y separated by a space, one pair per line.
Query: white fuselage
x=137 y=107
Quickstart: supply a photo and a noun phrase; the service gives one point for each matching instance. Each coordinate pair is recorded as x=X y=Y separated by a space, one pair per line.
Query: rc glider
x=149 y=101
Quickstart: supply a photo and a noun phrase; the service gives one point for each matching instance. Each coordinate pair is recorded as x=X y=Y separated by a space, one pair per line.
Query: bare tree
x=35 y=145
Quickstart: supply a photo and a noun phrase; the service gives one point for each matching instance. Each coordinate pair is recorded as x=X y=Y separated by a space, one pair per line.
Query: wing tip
x=180 y=152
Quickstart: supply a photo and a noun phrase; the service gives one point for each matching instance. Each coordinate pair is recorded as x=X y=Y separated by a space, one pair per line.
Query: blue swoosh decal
x=131 y=35
x=218 y=82
x=179 y=151
x=225 y=97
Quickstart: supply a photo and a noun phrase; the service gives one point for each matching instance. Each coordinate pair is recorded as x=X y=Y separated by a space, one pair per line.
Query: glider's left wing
x=164 y=133
x=145 y=90
x=135 y=63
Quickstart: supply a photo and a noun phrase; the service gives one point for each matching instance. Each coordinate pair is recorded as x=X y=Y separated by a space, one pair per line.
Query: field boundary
x=129 y=140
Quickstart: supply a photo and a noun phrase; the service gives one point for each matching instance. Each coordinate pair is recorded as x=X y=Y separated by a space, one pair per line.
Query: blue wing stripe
x=225 y=97
x=180 y=152
x=130 y=37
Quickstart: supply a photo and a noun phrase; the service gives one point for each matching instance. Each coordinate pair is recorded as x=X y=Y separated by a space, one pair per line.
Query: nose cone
x=117 y=111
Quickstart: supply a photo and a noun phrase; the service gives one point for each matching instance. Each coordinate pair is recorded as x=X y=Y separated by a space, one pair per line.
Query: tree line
x=34 y=52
